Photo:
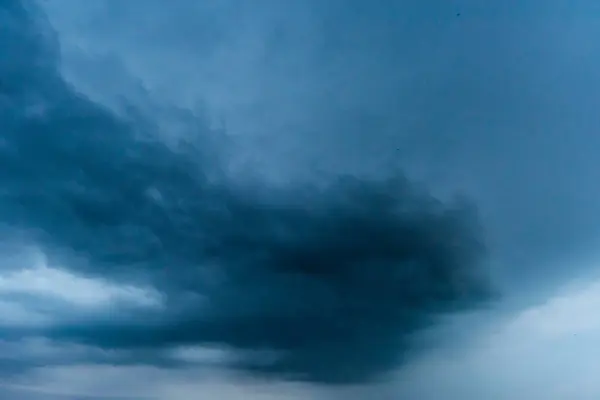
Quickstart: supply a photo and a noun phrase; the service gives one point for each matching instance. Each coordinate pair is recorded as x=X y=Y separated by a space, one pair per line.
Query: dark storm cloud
x=334 y=282
x=332 y=277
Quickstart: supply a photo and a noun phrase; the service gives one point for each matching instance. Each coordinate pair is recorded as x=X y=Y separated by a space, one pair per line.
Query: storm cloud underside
x=321 y=281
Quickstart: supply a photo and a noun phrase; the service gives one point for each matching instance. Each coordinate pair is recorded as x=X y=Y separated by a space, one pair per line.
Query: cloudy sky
x=299 y=199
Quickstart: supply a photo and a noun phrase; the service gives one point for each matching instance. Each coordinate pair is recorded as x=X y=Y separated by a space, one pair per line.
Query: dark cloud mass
x=332 y=278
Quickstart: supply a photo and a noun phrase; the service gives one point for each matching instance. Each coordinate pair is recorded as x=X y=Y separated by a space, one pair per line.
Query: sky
x=300 y=199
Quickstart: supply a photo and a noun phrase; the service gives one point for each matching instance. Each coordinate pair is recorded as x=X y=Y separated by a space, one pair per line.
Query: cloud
x=132 y=201
x=51 y=283
x=16 y=314
x=542 y=351
x=318 y=281
x=142 y=382
x=545 y=351
x=308 y=281
x=499 y=102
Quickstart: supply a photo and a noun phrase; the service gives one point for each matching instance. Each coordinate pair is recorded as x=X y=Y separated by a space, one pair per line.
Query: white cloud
x=571 y=313
x=41 y=281
x=548 y=351
x=201 y=355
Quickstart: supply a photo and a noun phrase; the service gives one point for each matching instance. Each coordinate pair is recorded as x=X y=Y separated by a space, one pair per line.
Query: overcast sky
x=299 y=199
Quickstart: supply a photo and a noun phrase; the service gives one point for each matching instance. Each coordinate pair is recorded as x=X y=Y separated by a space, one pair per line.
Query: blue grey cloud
x=332 y=277
x=497 y=101
x=315 y=237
